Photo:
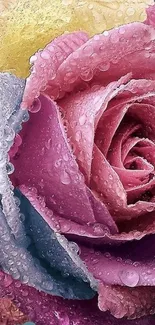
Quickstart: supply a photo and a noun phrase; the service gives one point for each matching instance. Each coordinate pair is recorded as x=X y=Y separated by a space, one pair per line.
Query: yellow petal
x=27 y=25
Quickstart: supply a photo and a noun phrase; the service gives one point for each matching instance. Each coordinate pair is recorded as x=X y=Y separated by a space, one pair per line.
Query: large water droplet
x=129 y=278
x=74 y=247
x=82 y=119
x=48 y=143
x=9 y=133
x=65 y=157
x=10 y=168
x=58 y=163
x=62 y=318
x=78 y=136
x=104 y=66
x=36 y=106
x=65 y=178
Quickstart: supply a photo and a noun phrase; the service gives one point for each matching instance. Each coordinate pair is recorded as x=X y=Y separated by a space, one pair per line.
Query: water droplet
x=104 y=66
x=33 y=59
x=9 y=168
x=25 y=279
x=45 y=55
x=130 y=11
x=82 y=119
x=9 y=133
x=129 y=278
x=7 y=281
x=65 y=178
x=74 y=247
x=46 y=285
x=98 y=229
x=58 y=163
x=62 y=318
x=105 y=33
x=25 y=117
x=150 y=208
x=78 y=136
x=48 y=143
x=59 y=148
x=36 y=106
x=65 y=157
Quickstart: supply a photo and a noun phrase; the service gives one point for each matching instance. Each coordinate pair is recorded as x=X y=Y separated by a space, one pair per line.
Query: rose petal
x=120 y=266
x=125 y=302
x=55 y=310
x=82 y=112
x=46 y=162
x=108 y=125
x=106 y=181
x=96 y=234
x=54 y=249
x=47 y=62
x=150 y=16
x=112 y=61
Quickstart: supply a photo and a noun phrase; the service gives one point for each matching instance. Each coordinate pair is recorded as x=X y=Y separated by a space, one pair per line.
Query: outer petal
x=150 y=16
x=49 y=310
x=109 y=62
x=49 y=165
x=23 y=29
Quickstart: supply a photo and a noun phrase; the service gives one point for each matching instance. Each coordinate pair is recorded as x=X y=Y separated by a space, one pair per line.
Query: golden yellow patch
x=27 y=25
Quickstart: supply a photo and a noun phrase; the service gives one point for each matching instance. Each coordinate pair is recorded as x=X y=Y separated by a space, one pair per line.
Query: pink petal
x=137 y=191
x=146 y=115
x=97 y=233
x=130 y=54
x=82 y=112
x=47 y=62
x=46 y=162
x=46 y=309
x=150 y=16
x=132 y=178
x=118 y=270
x=106 y=181
x=62 y=225
x=127 y=302
x=115 y=152
x=98 y=56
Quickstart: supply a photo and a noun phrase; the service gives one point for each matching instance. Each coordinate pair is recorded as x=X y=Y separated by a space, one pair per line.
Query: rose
x=47 y=164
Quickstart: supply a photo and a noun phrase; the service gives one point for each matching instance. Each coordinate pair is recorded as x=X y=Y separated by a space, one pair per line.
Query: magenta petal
x=45 y=309
x=119 y=270
x=46 y=162
x=150 y=16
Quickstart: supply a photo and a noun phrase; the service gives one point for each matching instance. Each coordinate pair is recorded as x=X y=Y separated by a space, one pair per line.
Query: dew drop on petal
x=78 y=136
x=36 y=106
x=129 y=278
x=65 y=157
x=58 y=163
x=82 y=119
x=65 y=178
x=48 y=143
x=104 y=66
x=62 y=318
x=33 y=59
x=9 y=168
x=74 y=247
x=9 y=133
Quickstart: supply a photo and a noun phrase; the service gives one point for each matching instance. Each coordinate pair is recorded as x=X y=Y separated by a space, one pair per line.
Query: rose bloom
x=85 y=176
